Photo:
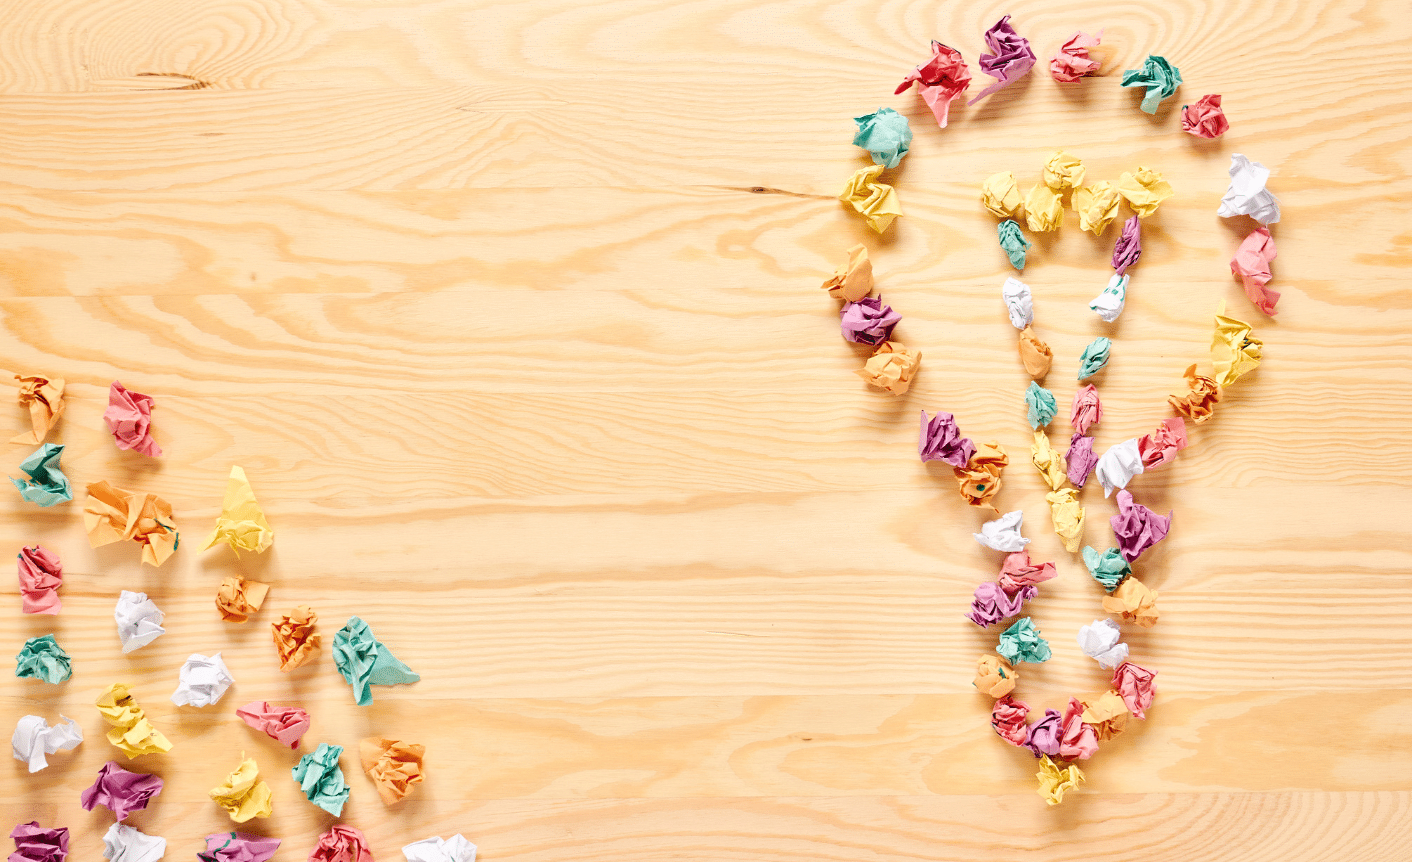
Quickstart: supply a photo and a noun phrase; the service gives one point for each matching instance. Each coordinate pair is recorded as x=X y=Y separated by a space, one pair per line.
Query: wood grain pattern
x=510 y=312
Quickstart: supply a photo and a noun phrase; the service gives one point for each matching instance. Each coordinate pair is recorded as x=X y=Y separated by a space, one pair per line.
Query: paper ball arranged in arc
x=885 y=135
x=940 y=80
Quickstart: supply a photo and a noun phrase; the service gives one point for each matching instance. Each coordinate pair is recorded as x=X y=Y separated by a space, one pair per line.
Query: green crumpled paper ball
x=1021 y=642
x=43 y=658
x=364 y=661
x=885 y=135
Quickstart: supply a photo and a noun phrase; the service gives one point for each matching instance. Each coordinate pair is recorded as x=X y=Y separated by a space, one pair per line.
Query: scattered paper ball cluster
x=111 y=514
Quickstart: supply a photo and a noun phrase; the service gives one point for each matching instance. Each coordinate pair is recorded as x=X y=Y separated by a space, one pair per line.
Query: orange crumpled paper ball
x=238 y=598
x=295 y=637
x=1199 y=403
x=995 y=676
x=980 y=478
x=892 y=367
x=393 y=764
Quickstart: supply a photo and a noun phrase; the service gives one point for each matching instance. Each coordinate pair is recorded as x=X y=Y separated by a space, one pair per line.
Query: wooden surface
x=510 y=312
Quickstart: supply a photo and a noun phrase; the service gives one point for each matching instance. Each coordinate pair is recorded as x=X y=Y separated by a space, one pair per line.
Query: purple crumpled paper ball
x=35 y=844
x=1137 y=527
x=1129 y=246
x=120 y=790
x=868 y=321
x=1045 y=735
x=1081 y=459
x=1012 y=57
x=991 y=605
x=940 y=440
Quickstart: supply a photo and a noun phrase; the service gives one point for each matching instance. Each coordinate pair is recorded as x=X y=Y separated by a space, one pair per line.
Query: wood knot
x=153 y=81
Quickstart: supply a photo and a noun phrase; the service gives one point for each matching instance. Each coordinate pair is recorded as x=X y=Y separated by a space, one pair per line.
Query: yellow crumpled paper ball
x=242 y=523
x=1054 y=782
x=1044 y=211
x=243 y=795
x=1097 y=206
x=1001 y=196
x=877 y=202
x=1063 y=171
x=1144 y=189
